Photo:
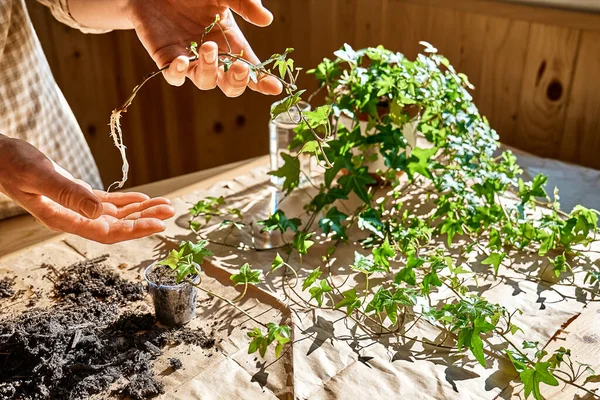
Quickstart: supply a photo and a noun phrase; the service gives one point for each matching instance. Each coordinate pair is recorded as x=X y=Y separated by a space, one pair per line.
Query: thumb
x=252 y=11
x=58 y=186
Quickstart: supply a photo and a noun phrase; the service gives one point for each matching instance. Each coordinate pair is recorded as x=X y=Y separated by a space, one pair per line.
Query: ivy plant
x=480 y=204
x=186 y=260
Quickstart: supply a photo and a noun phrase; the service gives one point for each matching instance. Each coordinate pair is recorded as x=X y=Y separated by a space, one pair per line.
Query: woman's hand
x=167 y=27
x=65 y=204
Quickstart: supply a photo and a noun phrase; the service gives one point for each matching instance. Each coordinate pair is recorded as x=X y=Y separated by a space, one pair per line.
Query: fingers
x=125 y=211
x=176 y=72
x=106 y=229
x=160 y=212
x=120 y=199
x=233 y=83
x=204 y=72
x=265 y=84
x=62 y=190
x=252 y=11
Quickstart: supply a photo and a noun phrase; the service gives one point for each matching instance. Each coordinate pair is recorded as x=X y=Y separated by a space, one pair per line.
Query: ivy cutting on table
x=480 y=204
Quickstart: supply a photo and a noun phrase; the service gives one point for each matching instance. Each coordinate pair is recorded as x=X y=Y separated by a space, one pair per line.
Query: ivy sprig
x=186 y=260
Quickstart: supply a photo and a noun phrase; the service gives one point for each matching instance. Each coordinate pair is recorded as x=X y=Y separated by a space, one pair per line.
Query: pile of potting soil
x=6 y=289
x=85 y=281
x=86 y=344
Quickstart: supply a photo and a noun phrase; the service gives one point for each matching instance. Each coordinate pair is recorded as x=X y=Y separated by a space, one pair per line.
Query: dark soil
x=162 y=275
x=175 y=363
x=90 y=279
x=85 y=345
x=6 y=289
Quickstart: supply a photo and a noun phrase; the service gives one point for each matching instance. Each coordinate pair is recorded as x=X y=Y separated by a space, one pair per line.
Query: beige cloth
x=328 y=359
x=32 y=107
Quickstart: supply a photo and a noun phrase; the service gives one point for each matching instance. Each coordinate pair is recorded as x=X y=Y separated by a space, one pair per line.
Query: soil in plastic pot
x=174 y=304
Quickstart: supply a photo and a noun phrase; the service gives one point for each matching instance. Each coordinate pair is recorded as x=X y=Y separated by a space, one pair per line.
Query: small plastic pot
x=173 y=305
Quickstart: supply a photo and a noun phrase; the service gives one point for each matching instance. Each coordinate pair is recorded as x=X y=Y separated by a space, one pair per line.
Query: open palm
x=65 y=204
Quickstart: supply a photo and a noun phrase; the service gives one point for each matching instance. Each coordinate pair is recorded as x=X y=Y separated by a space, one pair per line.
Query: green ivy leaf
x=172 y=260
x=207 y=206
x=310 y=147
x=286 y=104
x=290 y=171
x=518 y=361
x=185 y=268
x=311 y=278
x=197 y=250
x=495 y=242
x=323 y=199
x=302 y=242
x=246 y=276
x=318 y=117
x=407 y=274
x=383 y=253
x=277 y=263
x=351 y=302
x=357 y=182
x=533 y=377
x=559 y=264
x=529 y=190
x=383 y=300
x=371 y=220
x=333 y=222
x=280 y=334
x=365 y=264
x=431 y=279
x=494 y=259
x=548 y=239
x=419 y=162
x=279 y=221
x=451 y=227
x=317 y=291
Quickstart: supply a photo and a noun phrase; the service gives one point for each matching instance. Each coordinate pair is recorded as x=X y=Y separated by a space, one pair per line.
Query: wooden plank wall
x=535 y=70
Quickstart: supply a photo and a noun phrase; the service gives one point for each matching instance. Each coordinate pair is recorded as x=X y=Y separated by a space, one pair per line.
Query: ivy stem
x=241 y=296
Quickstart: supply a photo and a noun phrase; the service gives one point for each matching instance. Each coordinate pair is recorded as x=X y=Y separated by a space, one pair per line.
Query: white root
x=117 y=135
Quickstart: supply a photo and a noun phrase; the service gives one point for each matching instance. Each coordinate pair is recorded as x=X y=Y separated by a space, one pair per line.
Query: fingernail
x=241 y=76
x=180 y=66
x=89 y=208
x=210 y=57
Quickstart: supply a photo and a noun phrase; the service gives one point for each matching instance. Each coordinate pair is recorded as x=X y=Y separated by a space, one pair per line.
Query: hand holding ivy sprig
x=287 y=75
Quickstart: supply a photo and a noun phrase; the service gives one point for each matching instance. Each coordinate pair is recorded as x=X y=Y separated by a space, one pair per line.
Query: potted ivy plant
x=172 y=283
x=368 y=90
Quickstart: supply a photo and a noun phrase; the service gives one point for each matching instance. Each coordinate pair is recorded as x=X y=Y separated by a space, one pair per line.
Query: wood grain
x=499 y=87
x=582 y=336
x=545 y=91
x=580 y=142
x=403 y=34
x=520 y=12
x=586 y=5
x=370 y=20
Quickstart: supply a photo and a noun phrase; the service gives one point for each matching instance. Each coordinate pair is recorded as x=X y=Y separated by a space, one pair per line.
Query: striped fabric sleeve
x=60 y=10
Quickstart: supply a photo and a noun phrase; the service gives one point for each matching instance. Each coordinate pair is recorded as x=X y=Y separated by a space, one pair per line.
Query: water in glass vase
x=281 y=134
